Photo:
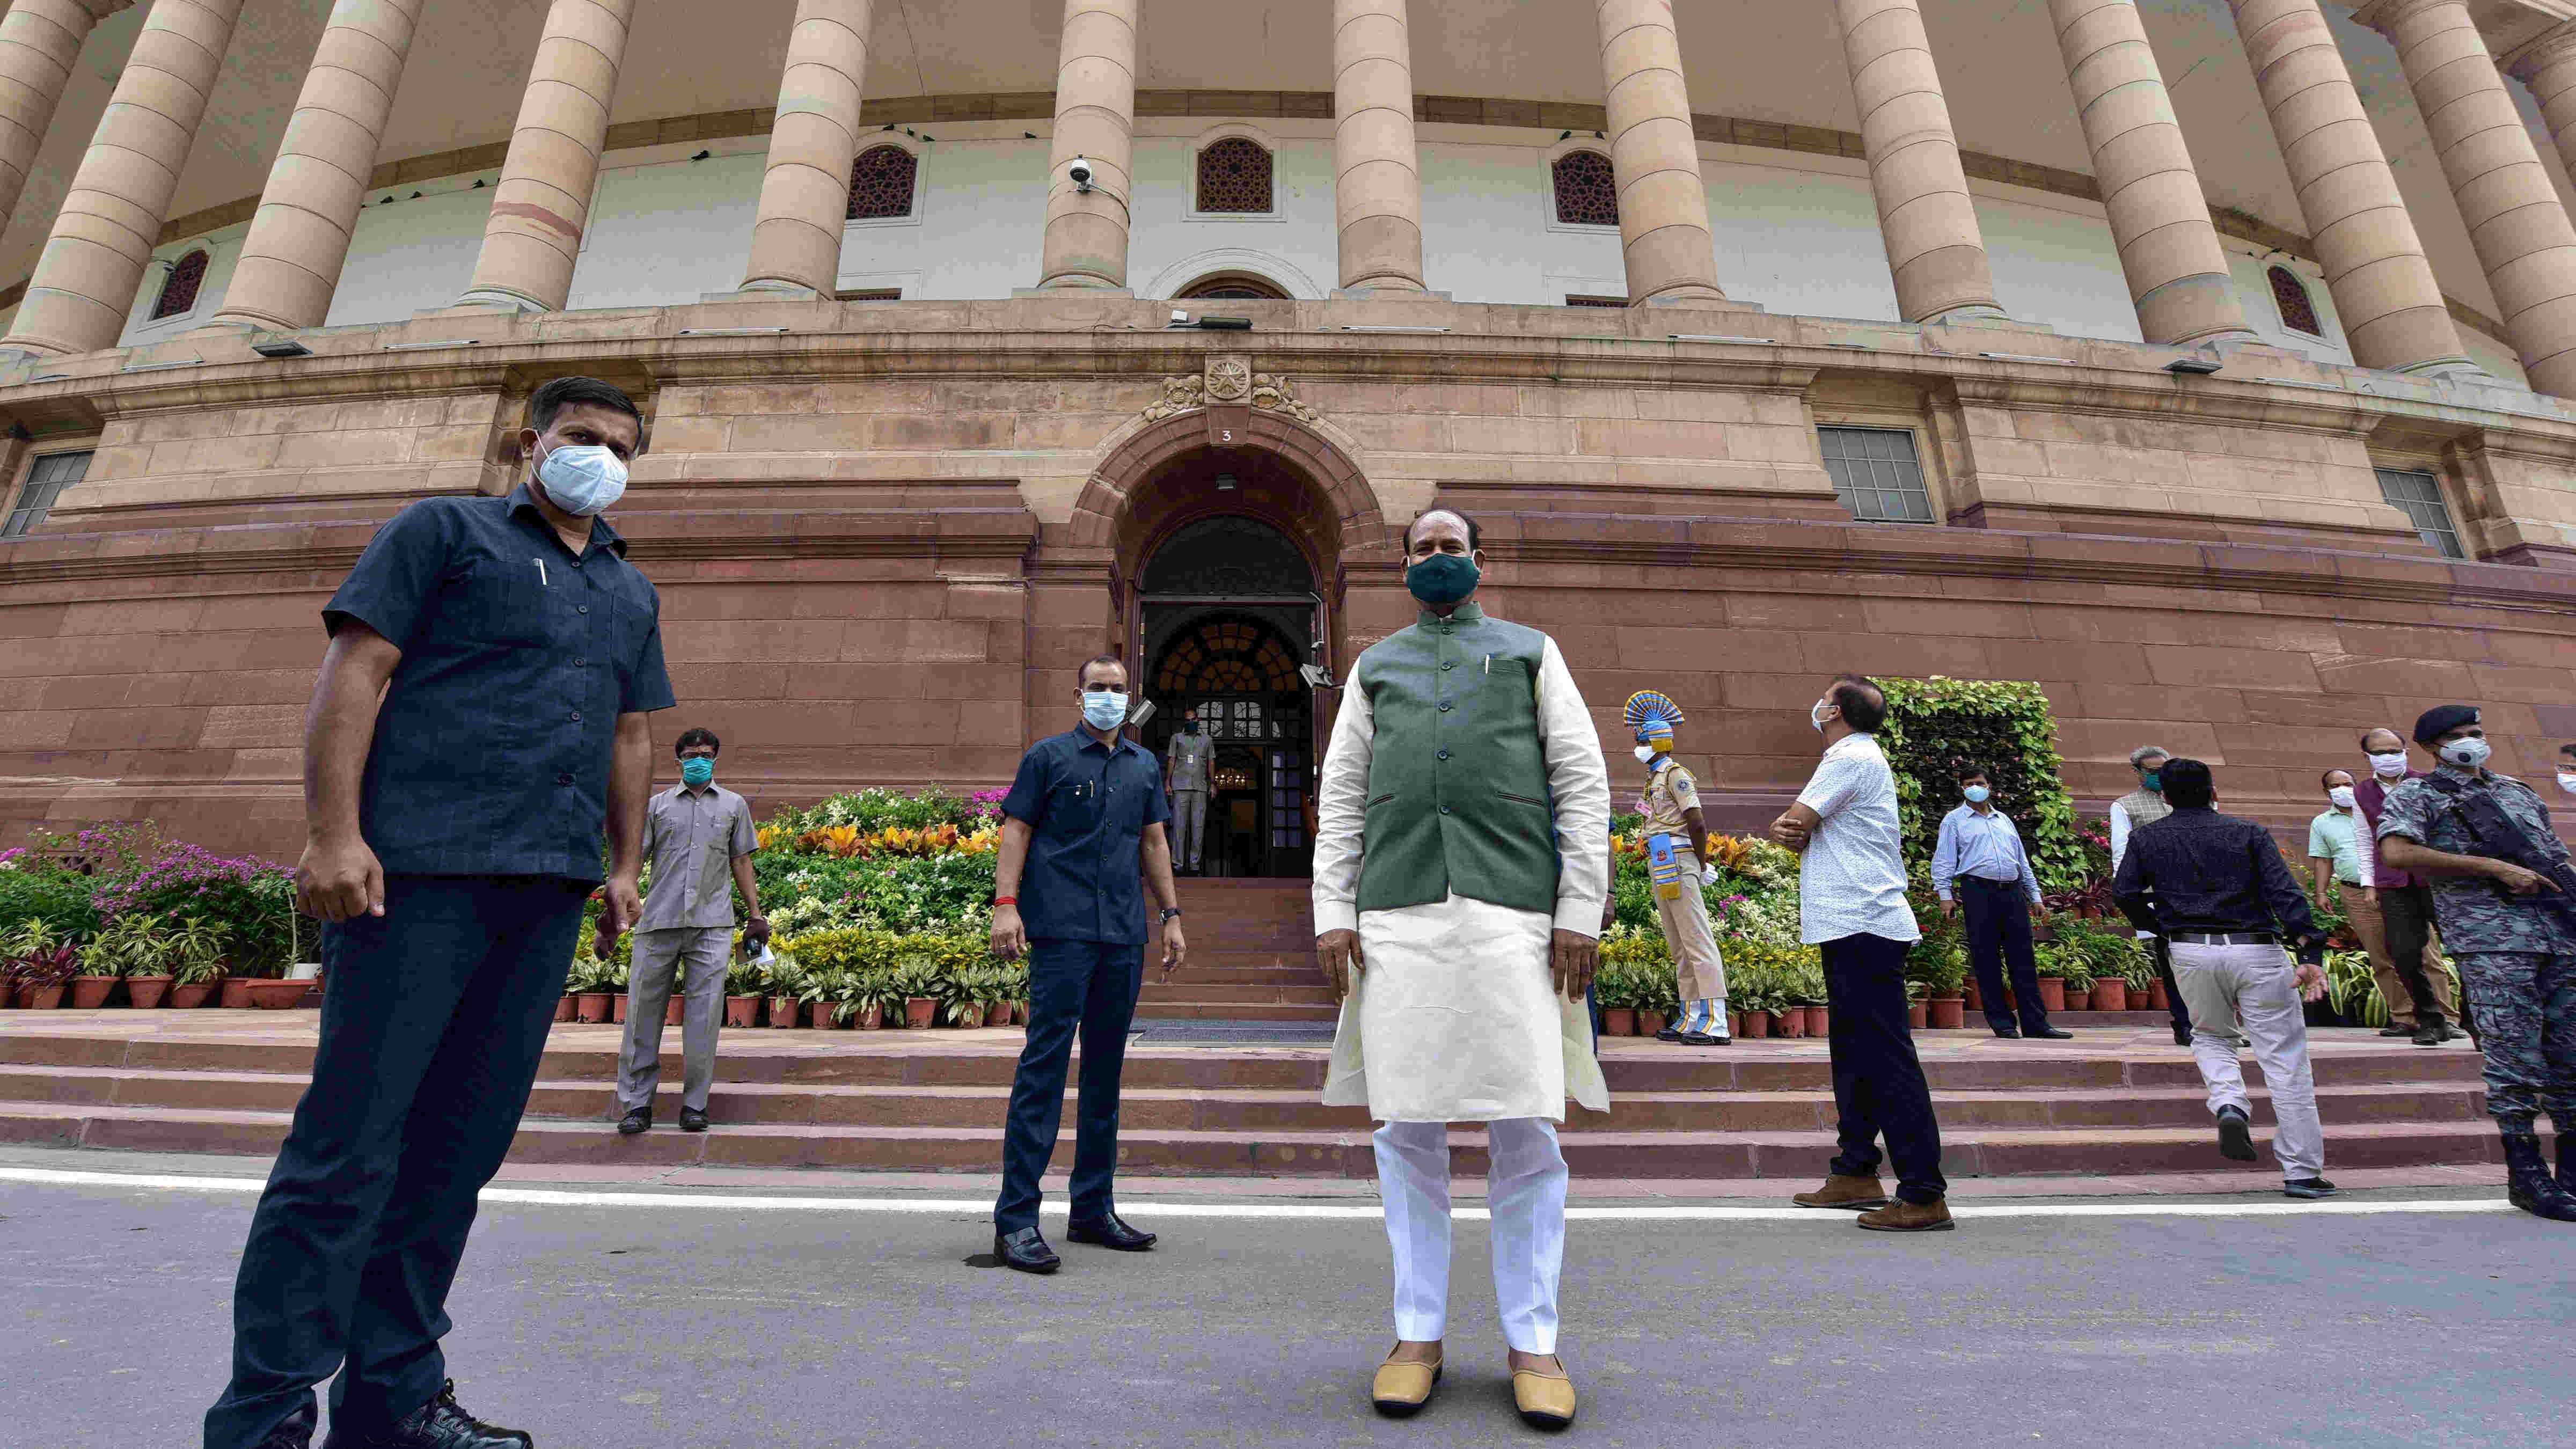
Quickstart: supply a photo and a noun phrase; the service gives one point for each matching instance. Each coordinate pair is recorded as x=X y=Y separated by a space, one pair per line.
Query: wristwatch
x=1171 y=914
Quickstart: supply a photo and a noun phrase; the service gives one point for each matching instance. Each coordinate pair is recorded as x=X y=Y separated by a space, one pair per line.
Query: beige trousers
x=1696 y=968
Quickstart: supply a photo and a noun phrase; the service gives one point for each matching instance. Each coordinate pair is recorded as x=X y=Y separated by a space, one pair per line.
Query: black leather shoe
x=2182 y=1035
x=2310 y=1189
x=1025 y=1250
x=2393 y=1029
x=1107 y=1231
x=2431 y=1034
x=692 y=1120
x=1670 y=1033
x=2235 y=1135
x=2050 y=1033
x=2008 y=1033
x=639 y=1120
x=295 y=1433
x=438 y=1424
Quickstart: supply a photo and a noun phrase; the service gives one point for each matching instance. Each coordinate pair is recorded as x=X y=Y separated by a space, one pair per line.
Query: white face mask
x=582 y=478
x=2388 y=766
x=1816 y=714
x=2341 y=795
x=1645 y=754
x=2467 y=753
x=2567 y=781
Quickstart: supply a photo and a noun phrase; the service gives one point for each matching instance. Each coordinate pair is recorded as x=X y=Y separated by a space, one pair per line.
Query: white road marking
x=740 y=1202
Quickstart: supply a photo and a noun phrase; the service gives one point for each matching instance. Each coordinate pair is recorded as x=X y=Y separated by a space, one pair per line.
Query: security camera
x=1080 y=172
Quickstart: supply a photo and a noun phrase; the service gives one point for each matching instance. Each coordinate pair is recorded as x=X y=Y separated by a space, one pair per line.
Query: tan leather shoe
x=1841 y=1191
x=1901 y=1216
x=1546 y=1401
x=1401 y=1389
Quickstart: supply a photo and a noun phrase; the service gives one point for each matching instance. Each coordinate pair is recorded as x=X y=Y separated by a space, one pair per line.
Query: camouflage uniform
x=2517 y=957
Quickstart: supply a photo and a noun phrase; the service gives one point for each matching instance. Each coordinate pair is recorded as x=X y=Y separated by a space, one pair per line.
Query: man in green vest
x=1461 y=862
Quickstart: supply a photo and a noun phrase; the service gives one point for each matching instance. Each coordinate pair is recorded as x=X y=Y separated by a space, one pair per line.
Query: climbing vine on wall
x=1937 y=726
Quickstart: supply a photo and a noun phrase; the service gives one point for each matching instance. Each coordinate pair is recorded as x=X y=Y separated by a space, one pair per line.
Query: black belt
x=2223 y=938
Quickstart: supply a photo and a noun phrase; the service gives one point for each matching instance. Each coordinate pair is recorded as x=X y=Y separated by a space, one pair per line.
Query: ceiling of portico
x=1770 y=60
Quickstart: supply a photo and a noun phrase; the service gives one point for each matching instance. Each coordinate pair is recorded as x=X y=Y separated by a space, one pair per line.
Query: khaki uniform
x=1698 y=972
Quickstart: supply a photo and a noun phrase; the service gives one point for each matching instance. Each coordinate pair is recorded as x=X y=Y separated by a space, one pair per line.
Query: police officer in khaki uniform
x=1186 y=764
x=1671 y=808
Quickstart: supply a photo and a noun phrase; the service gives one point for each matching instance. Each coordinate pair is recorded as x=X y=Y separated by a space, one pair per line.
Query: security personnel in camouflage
x=2512 y=928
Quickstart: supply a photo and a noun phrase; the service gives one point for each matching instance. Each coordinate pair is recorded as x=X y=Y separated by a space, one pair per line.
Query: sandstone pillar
x=39 y=41
x=2546 y=63
x=2178 y=276
x=543 y=201
x=805 y=193
x=1925 y=216
x=290 y=262
x=1095 y=119
x=2515 y=218
x=2393 y=313
x=1377 y=178
x=1654 y=157
x=92 y=264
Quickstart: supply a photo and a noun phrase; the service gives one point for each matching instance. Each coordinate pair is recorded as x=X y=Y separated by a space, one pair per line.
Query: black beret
x=2434 y=723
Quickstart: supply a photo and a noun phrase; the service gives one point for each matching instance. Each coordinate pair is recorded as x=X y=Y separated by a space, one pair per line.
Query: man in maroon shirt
x=2405 y=905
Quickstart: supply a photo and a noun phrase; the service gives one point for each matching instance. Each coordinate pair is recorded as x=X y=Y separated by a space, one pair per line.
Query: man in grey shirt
x=699 y=838
x=1186 y=761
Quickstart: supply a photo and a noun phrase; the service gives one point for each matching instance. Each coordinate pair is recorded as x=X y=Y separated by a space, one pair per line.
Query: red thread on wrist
x=1006 y=900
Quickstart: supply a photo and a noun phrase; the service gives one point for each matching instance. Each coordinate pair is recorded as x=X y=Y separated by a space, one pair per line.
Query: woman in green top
x=2334 y=842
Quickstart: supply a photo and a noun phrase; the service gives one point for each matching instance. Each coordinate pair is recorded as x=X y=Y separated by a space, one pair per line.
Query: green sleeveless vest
x=1457 y=796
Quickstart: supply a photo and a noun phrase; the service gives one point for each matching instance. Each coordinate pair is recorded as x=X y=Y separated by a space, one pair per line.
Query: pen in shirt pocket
x=541 y=573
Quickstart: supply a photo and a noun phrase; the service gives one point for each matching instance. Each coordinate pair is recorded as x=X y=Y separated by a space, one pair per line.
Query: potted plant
x=1918 y=1010
x=821 y=992
x=745 y=983
x=785 y=984
x=1614 y=986
x=43 y=963
x=588 y=984
x=917 y=978
x=877 y=996
x=2052 y=981
x=105 y=957
x=617 y=981
x=196 y=965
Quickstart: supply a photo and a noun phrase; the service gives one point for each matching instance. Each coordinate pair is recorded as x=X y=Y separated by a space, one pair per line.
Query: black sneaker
x=2310 y=1188
x=2235 y=1136
x=439 y=1424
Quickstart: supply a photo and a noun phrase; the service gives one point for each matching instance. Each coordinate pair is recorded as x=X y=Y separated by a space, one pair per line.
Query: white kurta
x=1454 y=1018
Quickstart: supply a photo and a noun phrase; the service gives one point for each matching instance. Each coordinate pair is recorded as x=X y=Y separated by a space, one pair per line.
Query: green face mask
x=697 y=772
x=1443 y=578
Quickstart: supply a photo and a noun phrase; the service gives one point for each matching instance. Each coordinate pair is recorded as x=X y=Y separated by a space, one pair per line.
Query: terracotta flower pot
x=1820 y=1021
x=1790 y=1023
x=2157 y=1000
x=1947 y=1013
x=1753 y=1025
x=2111 y=996
x=236 y=994
x=1651 y=1022
x=278 y=995
x=1974 y=998
x=1918 y=1013
x=2052 y=994
x=872 y=1016
x=40 y=998
x=920 y=1011
x=782 y=1010
x=91 y=992
x=1019 y=1013
x=617 y=1007
x=674 y=1009
x=1735 y=1023
x=2139 y=998
x=592 y=1006
x=818 y=1015
x=998 y=1014
x=566 y=1005
x=189 y=998
x=742 y=1011
x=146 y=992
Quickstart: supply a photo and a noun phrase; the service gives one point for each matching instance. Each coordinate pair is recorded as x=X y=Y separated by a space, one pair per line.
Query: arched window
x=881 y=183
x=1234 y=176
x=1586 y=192
x=179 y=289
x=2298 y=310
x=1233 y=286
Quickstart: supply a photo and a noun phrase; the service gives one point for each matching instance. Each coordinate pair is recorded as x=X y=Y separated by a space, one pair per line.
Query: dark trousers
x=2406 y=912
x=432 y=1027
x=1074 y=986
x=1878 y=1080
x=2163 y=952
x=1999 y=935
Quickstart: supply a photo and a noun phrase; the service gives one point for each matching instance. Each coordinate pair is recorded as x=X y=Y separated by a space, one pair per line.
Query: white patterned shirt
x=1851 y=880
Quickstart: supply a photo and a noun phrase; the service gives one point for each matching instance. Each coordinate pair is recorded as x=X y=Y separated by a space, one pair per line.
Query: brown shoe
x=1840 y=1191
x=1546 y=1401
x=1401 y=1389
x=1901 y=1216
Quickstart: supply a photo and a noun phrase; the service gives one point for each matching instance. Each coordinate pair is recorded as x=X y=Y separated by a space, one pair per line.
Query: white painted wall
x=668 y=232
x=411 y=255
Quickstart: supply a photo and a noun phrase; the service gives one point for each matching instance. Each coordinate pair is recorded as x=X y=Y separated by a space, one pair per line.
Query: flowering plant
x=249 y=900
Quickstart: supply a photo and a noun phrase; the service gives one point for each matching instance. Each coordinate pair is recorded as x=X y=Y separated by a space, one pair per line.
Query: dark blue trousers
x=1999 y=936
x=1878 y=1080
x=433 y=1023
x=1080 y=987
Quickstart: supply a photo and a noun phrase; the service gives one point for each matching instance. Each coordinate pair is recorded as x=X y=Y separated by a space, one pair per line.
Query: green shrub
x=1936 y=725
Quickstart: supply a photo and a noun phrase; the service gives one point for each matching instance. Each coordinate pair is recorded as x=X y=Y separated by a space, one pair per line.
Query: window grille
x=179 y=289
x=1876 y=475
x=2419 y=497
x=1234 y=176
x=46 y=480
x=881 y=183
x=1587 y=194
x=2298 y=309
x=1582 y=301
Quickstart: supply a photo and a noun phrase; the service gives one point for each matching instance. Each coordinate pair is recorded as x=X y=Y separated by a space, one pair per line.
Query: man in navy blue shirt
x=479 y=724
x=1082 y=831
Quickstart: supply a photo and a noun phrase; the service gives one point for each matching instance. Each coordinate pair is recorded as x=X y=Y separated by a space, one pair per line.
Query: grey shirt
x=1189 y=756
x=691 y=837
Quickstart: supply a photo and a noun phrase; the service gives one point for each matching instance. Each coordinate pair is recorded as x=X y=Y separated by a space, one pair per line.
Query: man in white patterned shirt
x=1851 y=905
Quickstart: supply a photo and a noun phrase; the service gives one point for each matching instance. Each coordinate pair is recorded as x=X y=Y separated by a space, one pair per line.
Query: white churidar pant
x=1525 y=1189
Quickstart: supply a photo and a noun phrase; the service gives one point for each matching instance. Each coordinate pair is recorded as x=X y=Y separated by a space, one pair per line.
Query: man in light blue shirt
x=1980 y=865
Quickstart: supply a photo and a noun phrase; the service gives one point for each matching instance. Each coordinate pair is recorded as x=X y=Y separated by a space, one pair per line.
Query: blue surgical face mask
x=697 y=771
x=582 y=478
x=1443 y=578
x=1976 y=794
x=1104 y=709
x=2153 y=781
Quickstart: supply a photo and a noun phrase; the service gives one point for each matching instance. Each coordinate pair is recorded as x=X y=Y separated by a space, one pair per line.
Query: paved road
x=670 y=1325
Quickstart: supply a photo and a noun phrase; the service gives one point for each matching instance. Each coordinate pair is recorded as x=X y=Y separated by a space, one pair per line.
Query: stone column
x=543 y=201
x=2546 y=63
x=2178 y=276
x=39 y=41
x=805 y=193
x=93 y=262
x=290 y=262
x=1925 y=216
x=1654 y=157
x=2516 y=221
x=2393 y=314
x=1095 y=119
x=1377 y=177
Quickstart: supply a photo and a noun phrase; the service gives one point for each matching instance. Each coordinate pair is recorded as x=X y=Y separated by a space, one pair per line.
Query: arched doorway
x=1227 y=612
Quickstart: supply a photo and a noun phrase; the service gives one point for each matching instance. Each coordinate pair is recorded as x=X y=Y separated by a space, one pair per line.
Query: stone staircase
x=1252 y=956
x=2117 y=1105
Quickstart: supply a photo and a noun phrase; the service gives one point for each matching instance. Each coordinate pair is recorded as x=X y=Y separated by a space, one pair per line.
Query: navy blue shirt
x=1086 y=807
x=492 y=746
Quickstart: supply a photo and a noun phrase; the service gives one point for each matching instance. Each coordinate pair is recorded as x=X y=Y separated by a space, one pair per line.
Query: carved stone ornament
x=1272 y=393
x=1180 y=394
x=1228 y=379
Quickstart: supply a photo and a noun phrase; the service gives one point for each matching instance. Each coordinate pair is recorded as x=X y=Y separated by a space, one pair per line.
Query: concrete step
x=1159 y=1009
